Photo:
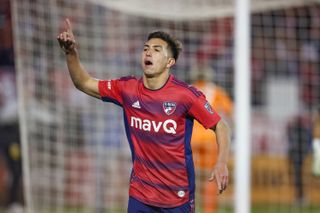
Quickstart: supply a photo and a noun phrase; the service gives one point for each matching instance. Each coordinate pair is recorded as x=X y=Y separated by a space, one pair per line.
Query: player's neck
x=155 y=82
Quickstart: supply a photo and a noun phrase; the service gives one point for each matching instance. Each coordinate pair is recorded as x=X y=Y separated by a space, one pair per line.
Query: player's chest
x=157 y=115
x=152 y=105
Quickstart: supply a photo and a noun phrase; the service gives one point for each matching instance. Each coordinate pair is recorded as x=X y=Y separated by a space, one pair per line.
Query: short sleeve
x=110 y=91
x=202 y=111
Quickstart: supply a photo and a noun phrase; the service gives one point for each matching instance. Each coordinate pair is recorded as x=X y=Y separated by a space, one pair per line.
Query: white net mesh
x=285 y=57
x=78 y=156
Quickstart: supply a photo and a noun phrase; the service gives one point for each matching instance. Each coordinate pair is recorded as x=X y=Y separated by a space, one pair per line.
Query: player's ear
x=170 y=62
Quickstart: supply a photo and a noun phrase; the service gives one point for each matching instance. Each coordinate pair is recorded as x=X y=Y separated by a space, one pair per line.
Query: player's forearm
x=77 y=72
x=223 y=140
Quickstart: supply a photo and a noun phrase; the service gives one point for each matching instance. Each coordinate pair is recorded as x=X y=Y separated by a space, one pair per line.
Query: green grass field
x=276 y=209
x=255 y=209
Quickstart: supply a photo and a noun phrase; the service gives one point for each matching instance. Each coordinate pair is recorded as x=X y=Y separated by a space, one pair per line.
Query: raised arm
x=220 y=171
x=80 y=77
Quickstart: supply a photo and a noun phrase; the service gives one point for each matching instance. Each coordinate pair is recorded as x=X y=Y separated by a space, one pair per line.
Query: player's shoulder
x=186 y=88
x=127 y=81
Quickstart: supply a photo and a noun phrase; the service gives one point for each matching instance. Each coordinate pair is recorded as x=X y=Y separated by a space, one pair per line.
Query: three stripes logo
x=136 y=105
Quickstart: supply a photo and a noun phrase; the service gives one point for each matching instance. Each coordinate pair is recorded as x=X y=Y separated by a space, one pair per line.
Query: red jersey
x=159 y=125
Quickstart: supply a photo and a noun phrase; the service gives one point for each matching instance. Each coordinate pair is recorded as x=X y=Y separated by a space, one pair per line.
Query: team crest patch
x=169 y=107
x=208 y=107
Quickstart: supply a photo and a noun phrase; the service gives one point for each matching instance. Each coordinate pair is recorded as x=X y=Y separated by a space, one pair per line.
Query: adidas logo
x=136 y=105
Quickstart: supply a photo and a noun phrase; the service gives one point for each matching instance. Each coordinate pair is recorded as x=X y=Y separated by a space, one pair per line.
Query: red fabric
x=158 y=124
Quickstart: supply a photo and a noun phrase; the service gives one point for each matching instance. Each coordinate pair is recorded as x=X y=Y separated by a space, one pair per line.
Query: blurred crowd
x=10 y=153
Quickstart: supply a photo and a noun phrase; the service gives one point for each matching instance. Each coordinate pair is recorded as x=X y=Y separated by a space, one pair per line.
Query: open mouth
x=148 y=63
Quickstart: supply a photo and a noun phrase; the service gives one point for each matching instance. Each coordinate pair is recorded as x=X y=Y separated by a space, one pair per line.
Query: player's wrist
x=222 y=163
x=72 y=51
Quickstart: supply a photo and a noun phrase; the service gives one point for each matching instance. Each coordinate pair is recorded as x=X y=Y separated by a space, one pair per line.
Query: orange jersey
x=203 y=140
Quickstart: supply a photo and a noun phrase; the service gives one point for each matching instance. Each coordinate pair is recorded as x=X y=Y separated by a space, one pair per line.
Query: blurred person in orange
x=203 y=142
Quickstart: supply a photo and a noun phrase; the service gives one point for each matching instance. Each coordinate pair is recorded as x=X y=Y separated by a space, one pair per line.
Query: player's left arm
x=220 y=171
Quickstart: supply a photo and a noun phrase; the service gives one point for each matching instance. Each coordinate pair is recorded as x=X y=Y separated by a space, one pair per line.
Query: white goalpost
x=242 y=107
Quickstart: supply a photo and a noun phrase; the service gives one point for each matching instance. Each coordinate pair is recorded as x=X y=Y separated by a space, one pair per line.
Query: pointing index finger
x=68 y=26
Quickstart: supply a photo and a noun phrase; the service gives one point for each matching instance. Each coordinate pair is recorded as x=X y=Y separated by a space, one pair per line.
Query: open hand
x=220 y=174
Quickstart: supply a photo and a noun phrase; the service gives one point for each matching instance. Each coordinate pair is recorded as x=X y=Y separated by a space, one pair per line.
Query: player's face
x=155 y=58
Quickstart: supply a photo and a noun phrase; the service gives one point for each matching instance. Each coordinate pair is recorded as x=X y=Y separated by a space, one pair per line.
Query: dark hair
x=174 y=44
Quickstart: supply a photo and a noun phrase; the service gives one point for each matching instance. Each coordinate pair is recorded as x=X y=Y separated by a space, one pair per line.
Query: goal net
x=76 y=157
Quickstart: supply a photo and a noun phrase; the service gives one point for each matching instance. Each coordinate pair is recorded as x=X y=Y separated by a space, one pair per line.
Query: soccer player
x=159 y=112
x=203 y=142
